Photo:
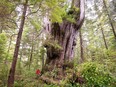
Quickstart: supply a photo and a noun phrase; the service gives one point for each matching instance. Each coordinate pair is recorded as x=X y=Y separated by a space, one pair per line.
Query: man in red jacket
x=38 y=72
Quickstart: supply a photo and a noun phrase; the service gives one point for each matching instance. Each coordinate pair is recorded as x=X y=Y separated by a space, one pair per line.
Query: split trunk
x=62 y=41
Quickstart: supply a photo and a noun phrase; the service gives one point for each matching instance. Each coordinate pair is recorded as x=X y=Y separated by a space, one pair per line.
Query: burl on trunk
x=62 y=40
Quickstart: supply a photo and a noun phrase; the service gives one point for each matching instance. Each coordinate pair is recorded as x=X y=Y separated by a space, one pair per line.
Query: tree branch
x=82 y=14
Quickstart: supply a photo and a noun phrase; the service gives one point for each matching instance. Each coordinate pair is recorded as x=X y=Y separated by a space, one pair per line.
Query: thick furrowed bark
x=65 y=34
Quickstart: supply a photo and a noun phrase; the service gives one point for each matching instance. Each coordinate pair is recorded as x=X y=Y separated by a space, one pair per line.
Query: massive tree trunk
x=60 y=48
x=15 y=56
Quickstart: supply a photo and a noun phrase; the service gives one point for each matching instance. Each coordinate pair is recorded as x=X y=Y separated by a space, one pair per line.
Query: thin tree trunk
x=81 y=46
x=113 y=29
x=105 y=43
x=31 y=55
x=1 y=30
x=15 y=56
x=21 y=54
x=43 y=59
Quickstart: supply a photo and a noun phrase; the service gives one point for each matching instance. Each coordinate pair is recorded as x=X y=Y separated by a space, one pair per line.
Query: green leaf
x=36 y=24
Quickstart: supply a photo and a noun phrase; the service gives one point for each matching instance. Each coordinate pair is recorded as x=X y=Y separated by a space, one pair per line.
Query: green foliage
x=96 y=75
x=3 y=55
x=72 y=14
x=3 y=40
x=6 y=8
x=26 y=78
x=52 y=74
x=110 y=60
x=113 y=43
x=49 y=42
x=72 y=85
x=51 y=85
x=35 y=1
x=42 y=51
x=56 y=14
x=36 y=25
x=56 y=11
x=70 y=18
x=69 y=64
x=3 y=74
x=28 y=83
x=66 y=83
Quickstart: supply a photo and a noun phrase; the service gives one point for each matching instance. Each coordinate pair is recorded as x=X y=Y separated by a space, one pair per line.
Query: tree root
x=49 y=80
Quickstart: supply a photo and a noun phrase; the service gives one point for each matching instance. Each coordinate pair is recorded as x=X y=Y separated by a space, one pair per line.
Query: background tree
x=12 y=69
x=110 y=20
x=81 y=46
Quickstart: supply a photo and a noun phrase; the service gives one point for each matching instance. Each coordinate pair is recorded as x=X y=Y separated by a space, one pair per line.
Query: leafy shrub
x=51 y=85
x=3 y=74
x=96 y=75
x=3 y=41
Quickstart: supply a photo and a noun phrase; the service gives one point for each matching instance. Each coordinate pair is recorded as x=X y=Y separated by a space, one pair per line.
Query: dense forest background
x=30 y=53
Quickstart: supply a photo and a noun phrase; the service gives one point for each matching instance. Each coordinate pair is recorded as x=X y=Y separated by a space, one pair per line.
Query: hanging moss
x=53 y=48
x=72 y=14
x=50 y=43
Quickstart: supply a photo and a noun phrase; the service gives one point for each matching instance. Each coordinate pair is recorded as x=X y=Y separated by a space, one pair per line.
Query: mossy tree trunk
x=63 y=40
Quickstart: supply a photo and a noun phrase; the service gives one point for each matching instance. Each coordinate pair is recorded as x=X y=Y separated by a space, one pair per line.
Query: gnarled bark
x=65 y=36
